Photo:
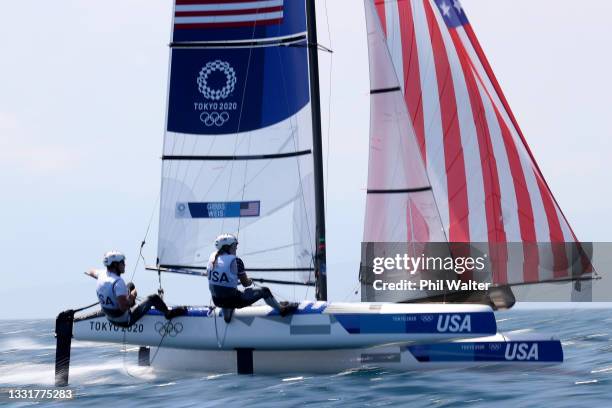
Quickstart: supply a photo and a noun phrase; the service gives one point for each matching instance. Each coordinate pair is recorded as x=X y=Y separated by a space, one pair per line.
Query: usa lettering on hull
x=454 y=323
x=548 y=351
x=521 y=351
x=419 y=323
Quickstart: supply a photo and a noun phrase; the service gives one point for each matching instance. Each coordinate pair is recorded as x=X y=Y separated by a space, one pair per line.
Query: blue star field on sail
x=452 y=12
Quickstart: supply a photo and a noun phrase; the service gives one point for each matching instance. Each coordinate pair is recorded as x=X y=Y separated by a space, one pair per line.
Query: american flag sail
x=484 y=180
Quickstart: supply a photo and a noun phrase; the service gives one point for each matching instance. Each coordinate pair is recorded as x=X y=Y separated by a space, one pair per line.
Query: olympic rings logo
x=427 y=318
x=230 y=80
x=168 y=328
x=214 y=118
x=494 y=346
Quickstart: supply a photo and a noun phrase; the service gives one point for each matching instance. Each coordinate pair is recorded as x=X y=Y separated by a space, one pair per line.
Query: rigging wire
x=246 y=165
x=329 y=100
x=294 y=132
x=124 y=351
x=309 y=277
x=141 y=256
x=353 y=292
x=160 y=342
x=229 y=184
x=144 y=240
x=212 y=309
x=152 y=359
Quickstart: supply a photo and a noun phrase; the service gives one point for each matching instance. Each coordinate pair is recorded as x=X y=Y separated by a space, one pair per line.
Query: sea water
x=108 y=375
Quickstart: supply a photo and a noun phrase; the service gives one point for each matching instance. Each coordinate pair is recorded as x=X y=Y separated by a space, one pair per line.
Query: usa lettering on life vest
x=454 y=323
x=215 y=276
x=107 y=301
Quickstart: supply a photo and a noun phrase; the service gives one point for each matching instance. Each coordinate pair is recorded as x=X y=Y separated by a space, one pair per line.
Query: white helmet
x=113 y=256
x=225 y=239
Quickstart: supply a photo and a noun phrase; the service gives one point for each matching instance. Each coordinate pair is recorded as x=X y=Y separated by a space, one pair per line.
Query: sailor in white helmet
x=118 y=299
x=225 y=270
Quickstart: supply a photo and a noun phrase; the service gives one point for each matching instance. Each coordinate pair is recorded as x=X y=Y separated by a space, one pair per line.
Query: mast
x=315 y=100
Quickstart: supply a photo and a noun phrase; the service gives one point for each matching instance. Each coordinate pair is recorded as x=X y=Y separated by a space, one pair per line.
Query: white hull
x=502 y=350
x=326 y=338
x=316 y=325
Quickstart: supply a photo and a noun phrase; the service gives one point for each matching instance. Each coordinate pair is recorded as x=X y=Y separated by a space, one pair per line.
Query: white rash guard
x=109 y=287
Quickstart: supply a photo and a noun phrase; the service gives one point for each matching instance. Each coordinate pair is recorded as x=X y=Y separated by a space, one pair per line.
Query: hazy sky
x=82 y=101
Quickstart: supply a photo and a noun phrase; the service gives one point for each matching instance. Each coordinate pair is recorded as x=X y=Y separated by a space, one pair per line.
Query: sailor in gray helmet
x=118 y=299
x=225 y=270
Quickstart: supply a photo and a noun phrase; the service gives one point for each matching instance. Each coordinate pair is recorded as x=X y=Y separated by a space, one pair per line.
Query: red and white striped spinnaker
x=483 y=177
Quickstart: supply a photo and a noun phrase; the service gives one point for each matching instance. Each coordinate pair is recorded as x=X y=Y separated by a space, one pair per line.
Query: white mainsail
x=237 y=153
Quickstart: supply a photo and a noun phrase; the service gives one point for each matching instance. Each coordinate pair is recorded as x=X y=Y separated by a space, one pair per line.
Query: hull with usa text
x=509 y=349
x=315 y=325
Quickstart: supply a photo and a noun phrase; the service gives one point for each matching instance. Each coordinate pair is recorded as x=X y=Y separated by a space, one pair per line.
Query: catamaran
x=242 y=153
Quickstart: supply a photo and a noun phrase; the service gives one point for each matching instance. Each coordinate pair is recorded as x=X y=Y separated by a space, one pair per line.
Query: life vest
x=220 y=273
x=109 y=287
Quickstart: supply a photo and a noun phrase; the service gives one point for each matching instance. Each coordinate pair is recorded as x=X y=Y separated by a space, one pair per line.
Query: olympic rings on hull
x=168 y=328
